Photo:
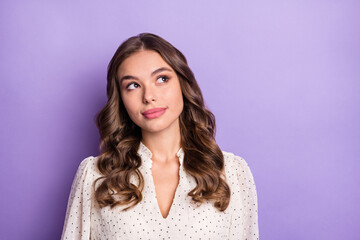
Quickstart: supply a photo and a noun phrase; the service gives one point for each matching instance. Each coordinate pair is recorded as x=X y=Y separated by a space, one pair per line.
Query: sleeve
x=244 y=220
x=77 y=218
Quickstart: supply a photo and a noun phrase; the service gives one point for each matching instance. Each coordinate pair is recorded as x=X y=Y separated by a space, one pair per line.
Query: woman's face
x=150 y=90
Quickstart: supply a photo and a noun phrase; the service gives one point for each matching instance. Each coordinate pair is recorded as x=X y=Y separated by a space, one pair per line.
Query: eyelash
x=166 y=79
x=127 y=87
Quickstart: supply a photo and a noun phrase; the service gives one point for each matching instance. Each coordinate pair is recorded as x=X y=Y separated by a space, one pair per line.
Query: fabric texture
x=186 y=220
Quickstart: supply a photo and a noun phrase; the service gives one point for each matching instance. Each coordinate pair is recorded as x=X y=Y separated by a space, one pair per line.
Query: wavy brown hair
x=120 y=137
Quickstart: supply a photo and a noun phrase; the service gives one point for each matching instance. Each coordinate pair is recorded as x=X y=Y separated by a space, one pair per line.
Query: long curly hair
x=120 y=136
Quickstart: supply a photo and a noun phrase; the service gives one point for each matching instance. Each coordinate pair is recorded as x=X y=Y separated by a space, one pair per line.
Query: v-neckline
x=156 y=198
x=147 y=160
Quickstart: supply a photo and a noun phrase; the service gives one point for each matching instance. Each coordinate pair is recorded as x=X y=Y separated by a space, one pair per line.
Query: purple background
x=281 y=77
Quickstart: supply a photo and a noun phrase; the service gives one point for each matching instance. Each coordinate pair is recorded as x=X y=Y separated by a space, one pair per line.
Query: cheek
x=130 y=104
x=176 y=98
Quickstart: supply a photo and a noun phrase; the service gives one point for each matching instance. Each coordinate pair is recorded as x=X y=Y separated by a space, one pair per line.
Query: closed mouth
x=153 y=110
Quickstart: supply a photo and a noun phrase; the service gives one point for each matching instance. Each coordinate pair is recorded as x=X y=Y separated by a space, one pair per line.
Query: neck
x=164 y=144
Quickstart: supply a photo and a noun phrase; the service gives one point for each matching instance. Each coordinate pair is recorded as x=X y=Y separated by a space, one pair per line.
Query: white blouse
x=186 y=220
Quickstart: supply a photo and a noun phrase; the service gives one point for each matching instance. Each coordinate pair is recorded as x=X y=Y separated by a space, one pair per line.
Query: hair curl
x=120 y=137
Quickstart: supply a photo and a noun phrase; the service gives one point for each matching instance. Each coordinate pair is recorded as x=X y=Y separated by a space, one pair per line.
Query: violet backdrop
x=281 y=77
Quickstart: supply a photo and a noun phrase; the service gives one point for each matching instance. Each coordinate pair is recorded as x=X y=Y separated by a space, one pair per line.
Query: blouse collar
x=146 y=155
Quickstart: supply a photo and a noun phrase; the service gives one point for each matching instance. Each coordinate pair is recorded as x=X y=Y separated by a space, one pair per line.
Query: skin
x=146 y=82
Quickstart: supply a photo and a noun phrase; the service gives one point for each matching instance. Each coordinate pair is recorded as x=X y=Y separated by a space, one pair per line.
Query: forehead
x=141 y=62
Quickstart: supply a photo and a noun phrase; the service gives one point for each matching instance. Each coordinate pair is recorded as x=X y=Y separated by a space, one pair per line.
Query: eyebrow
x=129 y=77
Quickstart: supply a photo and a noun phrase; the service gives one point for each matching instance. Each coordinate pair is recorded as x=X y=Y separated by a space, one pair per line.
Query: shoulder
x=88 y=162
x=88 y=167
x=232 y=161
x=236 y=167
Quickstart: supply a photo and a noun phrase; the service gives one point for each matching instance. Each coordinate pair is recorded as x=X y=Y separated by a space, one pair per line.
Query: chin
x=153 y=129
x=157 y=126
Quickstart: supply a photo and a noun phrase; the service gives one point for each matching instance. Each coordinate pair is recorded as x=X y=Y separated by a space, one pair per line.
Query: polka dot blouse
x=186 y=220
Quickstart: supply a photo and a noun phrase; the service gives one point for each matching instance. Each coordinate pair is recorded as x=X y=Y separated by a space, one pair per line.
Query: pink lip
x=154 y=112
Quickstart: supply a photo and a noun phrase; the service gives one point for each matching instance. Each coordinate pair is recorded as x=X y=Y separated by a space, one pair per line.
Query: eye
x=132 y=85
x=163 y=78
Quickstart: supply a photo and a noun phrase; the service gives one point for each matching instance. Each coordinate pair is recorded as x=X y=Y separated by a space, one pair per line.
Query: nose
x=149 y=94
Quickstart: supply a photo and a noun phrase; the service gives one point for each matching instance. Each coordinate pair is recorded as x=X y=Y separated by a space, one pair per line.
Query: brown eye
x=163 y=78
x=132 y=85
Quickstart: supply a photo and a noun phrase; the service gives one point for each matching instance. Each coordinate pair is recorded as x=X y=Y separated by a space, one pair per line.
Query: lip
x=154 y=112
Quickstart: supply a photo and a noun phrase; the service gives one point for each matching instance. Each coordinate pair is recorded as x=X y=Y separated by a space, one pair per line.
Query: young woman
x=160 y=174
